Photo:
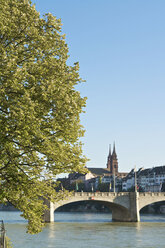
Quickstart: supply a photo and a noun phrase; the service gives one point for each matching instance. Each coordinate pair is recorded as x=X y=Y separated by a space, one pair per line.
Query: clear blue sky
x=120 y=45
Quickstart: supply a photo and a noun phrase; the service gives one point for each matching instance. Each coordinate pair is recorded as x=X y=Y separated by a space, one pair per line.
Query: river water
x=87 y=230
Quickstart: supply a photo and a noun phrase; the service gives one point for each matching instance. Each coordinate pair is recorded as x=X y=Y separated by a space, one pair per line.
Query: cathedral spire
x=109 y=158
x=112 y=161
x=109 y=151
x=114 y=149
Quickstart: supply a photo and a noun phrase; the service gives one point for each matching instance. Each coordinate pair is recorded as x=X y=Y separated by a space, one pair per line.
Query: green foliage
x=8 y=243
x=75 y=186
x=78 y=186
x=103 y=187
x=100 y=180
x=39 y=109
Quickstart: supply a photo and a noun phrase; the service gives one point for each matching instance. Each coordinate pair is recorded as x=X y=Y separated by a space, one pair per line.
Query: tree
x=39 y=109
x=103 y=187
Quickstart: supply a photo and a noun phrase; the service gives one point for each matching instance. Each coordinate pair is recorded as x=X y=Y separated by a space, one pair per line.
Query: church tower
x=112 y=162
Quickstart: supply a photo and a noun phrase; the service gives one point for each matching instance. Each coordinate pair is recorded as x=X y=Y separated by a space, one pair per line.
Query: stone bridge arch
x=110 y=205
x=120 y=199
x=122 y=204
x=147 y=198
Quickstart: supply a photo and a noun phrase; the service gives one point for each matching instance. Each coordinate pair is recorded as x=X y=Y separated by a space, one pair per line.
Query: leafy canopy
x=39 y=109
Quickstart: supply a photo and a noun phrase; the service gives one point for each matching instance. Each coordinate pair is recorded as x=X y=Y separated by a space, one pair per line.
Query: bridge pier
x=49 y=213
x=121 y=215
x=134 y=207
x=128 y=215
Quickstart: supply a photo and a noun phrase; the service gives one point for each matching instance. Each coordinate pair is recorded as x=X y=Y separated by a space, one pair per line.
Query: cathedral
x=108 y=173
x=112 y=161
x=112 y=166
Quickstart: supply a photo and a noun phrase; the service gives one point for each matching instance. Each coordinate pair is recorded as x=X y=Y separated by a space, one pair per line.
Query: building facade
x=148 y=180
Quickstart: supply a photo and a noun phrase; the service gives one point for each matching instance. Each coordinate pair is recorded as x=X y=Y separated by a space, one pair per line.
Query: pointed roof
x=109 y=151
x=114 y=149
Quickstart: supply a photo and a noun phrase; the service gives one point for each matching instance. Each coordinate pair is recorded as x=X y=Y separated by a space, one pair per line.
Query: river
x=87 y=230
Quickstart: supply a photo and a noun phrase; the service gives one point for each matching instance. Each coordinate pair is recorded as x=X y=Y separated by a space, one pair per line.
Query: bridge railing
x=112 y=194
x=2 y=235
x=152 y=193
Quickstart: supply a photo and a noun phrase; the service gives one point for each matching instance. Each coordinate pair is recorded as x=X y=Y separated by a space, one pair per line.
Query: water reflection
x=51 y=230
x=137 y=226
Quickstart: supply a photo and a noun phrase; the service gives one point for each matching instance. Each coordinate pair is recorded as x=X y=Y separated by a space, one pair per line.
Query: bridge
x=125 y=206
